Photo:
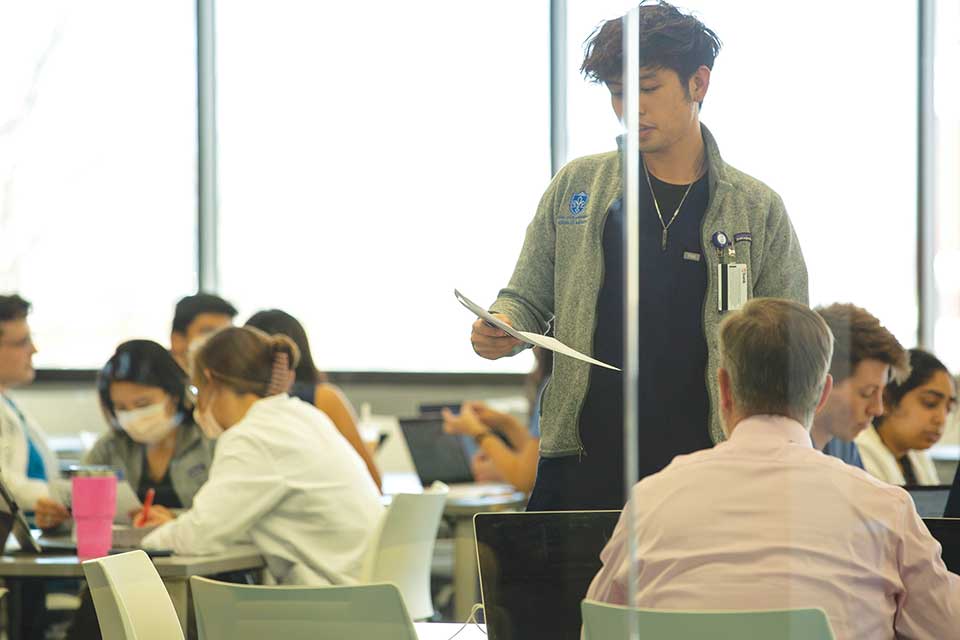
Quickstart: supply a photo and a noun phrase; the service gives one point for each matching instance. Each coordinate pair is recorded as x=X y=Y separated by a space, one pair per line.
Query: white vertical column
x=207 y=213
x=558 y=85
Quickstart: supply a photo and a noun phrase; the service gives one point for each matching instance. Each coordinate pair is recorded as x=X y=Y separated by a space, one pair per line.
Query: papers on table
x=535 y=339
x=127 y=501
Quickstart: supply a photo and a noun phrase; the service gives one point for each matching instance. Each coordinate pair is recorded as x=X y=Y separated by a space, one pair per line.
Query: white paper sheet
x=127 y=501
x=546 y=342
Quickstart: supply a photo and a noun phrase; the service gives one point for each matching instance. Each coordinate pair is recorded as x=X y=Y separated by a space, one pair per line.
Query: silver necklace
x=656 y=205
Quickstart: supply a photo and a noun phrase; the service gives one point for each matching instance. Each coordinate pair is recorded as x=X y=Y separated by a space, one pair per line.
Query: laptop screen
x=931 y=501
x=947 y=533
x=536 y=567
x=437 y=455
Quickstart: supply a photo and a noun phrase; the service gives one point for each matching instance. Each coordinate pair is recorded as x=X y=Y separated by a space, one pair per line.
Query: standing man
x=697 y=215
x=865 y=357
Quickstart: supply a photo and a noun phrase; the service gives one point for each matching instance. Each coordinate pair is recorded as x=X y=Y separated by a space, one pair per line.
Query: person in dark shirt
x=698 y=218
x=153 y=439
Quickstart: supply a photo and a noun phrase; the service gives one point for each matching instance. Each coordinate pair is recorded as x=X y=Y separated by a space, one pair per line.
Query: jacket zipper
x=581 y=451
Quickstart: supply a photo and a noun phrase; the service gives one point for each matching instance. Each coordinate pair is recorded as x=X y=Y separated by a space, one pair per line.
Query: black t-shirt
x=163 y=491
x=673 y=401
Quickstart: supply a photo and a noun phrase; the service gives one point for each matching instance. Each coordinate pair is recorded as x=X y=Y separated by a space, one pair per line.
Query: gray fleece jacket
x=560 y=271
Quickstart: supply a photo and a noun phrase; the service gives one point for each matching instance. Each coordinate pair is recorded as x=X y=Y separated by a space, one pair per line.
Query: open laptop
x=437 y=455
x=947 y=533
x=13 y=523
x=536 y=567
x=930 y=500
x=952 y=509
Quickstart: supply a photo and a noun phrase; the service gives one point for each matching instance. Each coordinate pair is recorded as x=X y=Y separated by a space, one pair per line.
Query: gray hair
x=778 y=354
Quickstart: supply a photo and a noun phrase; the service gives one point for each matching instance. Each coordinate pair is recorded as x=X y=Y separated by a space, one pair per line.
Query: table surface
x=50 y=564
x=467 y=497
x=447 y=630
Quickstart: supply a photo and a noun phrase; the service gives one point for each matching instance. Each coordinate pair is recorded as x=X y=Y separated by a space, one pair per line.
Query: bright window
x=373 y=156
x=824 y=111
x=97 y=170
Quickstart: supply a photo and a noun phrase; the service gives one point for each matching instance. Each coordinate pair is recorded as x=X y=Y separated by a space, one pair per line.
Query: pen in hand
x=141 y=519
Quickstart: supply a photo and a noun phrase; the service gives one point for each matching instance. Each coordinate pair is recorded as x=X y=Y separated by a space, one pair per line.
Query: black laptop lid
x=953 y=502
x=930 y=500
x=437 y=455
x=947 y=533
x=536 y=567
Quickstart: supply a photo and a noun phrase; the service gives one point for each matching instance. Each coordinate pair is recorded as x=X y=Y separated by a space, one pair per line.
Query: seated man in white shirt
x=29 y=467
x=765 y=521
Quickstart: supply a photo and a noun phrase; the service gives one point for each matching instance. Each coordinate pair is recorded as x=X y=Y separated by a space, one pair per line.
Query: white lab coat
x=284 y=479
x=14 y=457
x=880 y=463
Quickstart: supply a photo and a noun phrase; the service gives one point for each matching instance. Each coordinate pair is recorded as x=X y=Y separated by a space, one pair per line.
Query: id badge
x=732 y=286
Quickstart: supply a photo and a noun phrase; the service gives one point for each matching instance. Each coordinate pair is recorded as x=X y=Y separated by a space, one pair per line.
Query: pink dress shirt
x=765 y=521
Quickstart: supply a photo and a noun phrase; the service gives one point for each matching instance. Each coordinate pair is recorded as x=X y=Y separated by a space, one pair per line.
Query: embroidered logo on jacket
x=578 y=204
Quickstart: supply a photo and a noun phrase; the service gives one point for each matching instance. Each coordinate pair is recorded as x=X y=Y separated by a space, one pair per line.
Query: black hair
x=190 y=307
x=13 y=307
x=923 y=365
x=275 y=321
x=669 y=39
x=144 y=362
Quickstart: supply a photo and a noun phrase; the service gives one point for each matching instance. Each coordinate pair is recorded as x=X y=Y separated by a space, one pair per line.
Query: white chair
x=402 y=549
x=243 y=612
x=130 y=599
x=603 y=621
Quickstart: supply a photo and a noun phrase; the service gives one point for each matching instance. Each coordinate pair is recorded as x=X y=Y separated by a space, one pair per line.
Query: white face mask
x=148 y=425
x=207 y=422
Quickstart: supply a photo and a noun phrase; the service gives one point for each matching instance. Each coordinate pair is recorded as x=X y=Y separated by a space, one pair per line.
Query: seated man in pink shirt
x=765 y=521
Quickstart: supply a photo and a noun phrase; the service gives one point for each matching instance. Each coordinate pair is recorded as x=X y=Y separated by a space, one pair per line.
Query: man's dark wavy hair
x=669 y=39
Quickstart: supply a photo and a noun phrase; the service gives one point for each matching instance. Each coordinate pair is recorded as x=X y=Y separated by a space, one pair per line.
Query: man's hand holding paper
x=493 y=336
x=491 y=342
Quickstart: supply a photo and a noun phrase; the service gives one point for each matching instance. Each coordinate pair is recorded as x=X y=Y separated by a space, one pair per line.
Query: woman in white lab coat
x=282 y=478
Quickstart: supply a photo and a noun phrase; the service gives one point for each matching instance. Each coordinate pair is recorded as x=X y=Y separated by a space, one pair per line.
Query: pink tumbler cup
x=94 y=505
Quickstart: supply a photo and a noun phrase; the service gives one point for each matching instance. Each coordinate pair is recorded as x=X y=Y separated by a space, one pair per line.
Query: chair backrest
x=242 y=612
x=402 y=550
x=130 y=599
x=611 y=622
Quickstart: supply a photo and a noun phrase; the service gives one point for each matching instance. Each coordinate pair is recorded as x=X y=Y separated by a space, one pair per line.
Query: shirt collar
x=770 y=428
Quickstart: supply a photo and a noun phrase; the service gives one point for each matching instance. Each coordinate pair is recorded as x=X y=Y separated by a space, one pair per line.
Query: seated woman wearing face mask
x=154 y=439
x=282 y=476
x=914 y=416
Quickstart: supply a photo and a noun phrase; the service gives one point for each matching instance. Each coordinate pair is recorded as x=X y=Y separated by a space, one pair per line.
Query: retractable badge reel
x=731 y=277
